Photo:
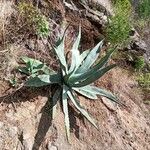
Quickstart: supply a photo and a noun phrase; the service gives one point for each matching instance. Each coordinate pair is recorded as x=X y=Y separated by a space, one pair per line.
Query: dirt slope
x=25 y=120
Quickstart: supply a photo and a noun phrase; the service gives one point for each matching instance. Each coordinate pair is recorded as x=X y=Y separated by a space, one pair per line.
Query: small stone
x=110 y=105
x=51 y=147
x=1 y=124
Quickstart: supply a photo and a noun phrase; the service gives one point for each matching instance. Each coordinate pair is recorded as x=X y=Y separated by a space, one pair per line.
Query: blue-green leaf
x=91 y=58
x=84 y=75
x=43 y=80
x=75 y=62
x=101 y=92
x=65 y=110
x=34 y=65
x=106 y=94
x=80 y=108
x=86 y=93
x=59 y=50
x=94 y=76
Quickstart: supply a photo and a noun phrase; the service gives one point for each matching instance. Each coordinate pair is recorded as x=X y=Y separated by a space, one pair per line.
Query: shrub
x=139 y=63
x=144 y=9
x=119 y=26
x=144 y=80
x=73 y=77
x=34 y=18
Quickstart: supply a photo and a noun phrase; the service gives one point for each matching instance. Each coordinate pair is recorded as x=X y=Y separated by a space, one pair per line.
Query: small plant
x=13 y=82
x=34 y=18
x=119 y=26
x=144 y=9
x=73 y=77
x=139 y=63
x=144 y=80
x=34 y=67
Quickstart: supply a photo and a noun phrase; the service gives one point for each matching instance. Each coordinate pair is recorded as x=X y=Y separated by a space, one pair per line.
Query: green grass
x=119 y=25
x=144 y=9
x=34 y=18
x=139 y=63
x=144 y=80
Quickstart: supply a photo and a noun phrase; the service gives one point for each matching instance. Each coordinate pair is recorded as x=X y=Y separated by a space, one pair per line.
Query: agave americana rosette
x=73 y=78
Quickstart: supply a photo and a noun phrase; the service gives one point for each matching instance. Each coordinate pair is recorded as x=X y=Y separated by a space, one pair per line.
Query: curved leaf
x=106 y=94
x=75 y=62
x=59 y=50
x=81 y=109
x=101 y=92
x=86 y=93
x=43 y=80
x=91 y=58
x=94 y=76
x=65 y=110
x=84 y=75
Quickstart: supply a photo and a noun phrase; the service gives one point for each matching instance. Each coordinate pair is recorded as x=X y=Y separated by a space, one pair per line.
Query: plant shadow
x=30 y=94
x=26 y=94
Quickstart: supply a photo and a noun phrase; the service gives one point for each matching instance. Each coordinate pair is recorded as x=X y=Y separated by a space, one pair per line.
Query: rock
x=51 y=147
x=111 y=106
x=137 y=43
x=9 y=136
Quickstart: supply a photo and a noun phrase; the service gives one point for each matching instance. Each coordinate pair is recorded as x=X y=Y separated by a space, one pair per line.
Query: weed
x=139 y=63
x=34 y=18
x=119 y=25
x=73 y=77
x=144 y=80
x=144 y=9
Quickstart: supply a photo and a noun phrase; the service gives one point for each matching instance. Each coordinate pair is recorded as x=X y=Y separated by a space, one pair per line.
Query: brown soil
x=25 y=115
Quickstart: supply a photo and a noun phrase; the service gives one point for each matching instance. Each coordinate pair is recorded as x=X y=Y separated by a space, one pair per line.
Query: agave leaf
x=101 y=92
x=47 y=70
x=59 y=50
x=94 y=76
x=43 y=80
x=24 y=70
x=35 y=66
x=105 y=59
x=91 y=58
x=80 y=108
x=75 y=62
x=80 y=60
x=100 y=64
x=106 y=94
x=34 y=62
x=84 y=55
x=65 y=110
x=54 y=101
x=86 y=93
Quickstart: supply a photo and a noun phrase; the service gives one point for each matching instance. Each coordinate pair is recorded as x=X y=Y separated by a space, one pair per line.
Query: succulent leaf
x=43 y=80
x=91 y=58
x=65 y=110
x=75 y=62
x=94 y=76
x=86 y=93
x=80 y=108
x=59 y=50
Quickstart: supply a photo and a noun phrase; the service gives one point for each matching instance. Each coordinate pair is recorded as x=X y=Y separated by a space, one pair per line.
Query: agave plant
x=75 y=77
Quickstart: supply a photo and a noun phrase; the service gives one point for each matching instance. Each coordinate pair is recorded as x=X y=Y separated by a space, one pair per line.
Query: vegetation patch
x=144 y=9
x=119 y=25
x=34 y=18
x=139 y=63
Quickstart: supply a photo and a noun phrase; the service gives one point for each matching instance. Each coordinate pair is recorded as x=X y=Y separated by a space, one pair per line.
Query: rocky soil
x=25 y=116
